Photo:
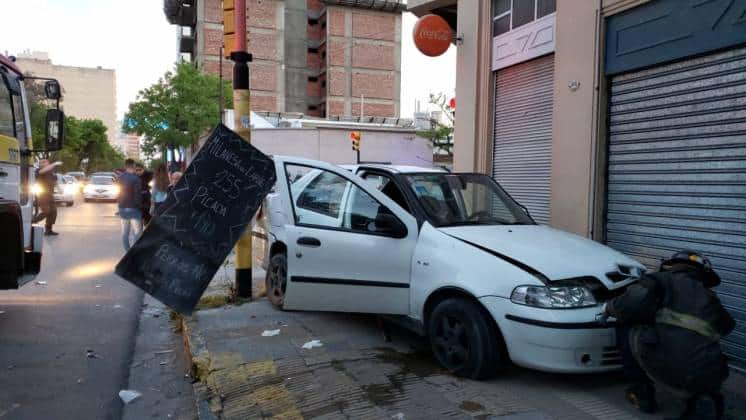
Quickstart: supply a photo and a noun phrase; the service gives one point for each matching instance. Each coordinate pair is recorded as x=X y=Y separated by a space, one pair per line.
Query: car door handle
x=307 y=241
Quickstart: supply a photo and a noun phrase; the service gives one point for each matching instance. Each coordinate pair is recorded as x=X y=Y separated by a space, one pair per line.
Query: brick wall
x=213 y=11
x=335 y=21
x=372 y=56
x=261 y=103
x=373 y=26
x=213 y=67
x=263 y=76
x=262 y=13
x=263 y=46
x=379 y=86
x=335 y=108
x=374 y=110
x=213 y=41
x=336 y=79
x=335 y=52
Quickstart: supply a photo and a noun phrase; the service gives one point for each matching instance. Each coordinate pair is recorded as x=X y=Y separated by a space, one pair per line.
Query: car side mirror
x=52 y=90
x=388 y=224
x=54 y=130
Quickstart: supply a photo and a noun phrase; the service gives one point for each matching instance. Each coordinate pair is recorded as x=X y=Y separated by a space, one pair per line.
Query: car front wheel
x=277 y=279
x=464 y=340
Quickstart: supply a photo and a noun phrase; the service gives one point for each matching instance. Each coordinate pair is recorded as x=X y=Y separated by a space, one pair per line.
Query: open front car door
x=349 y=247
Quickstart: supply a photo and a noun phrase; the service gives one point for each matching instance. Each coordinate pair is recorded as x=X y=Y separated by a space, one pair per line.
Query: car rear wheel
x=276 y=279
x=464 y=340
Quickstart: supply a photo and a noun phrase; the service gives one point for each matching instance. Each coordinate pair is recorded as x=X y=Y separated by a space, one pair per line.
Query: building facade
x=88 y=93
x=324 y=58
x=619 y=120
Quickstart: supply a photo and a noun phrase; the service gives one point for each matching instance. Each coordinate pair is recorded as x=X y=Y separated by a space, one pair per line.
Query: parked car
x=451 y=256
x=64 y=190
x=101 y=187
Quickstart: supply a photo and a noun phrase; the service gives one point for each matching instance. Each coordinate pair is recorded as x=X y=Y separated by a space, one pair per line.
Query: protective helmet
x=696 y=260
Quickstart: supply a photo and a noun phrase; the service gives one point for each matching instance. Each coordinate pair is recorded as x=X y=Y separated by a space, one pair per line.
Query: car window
x=387 y=186
x=325 y=199
x=6 y=111
x=101 y=180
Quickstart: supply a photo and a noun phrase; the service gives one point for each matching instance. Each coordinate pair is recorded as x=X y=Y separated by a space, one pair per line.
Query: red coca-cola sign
x=432 y=35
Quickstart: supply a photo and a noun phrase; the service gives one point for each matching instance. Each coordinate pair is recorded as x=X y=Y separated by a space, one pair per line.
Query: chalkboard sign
x=199 y=223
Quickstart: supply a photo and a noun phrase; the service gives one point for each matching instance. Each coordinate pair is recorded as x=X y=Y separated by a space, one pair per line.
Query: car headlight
x=115 y=189
x=553 y=297
x=36 y=189
x=70 y=188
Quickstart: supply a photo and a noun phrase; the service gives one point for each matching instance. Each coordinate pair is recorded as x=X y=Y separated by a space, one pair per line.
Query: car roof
x=402 y=169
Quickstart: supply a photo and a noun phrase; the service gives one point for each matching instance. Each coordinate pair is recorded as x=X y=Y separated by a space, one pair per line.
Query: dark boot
x=701 y=407
x=642 y=396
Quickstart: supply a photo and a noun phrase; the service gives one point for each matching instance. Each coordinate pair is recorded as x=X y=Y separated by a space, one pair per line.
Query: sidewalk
x=251 y=363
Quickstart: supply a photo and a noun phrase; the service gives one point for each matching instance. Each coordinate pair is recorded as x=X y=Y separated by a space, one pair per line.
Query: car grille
x=611 y=356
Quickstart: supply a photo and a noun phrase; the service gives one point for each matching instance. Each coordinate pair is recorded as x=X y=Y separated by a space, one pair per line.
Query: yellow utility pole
x=234 y=24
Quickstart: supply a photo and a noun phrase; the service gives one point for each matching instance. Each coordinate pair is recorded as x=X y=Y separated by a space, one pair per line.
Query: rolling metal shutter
x=677 y=170
x=522 y=148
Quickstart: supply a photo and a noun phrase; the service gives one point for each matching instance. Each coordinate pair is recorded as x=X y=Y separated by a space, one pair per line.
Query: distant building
x=88 y=93
x=323 y=58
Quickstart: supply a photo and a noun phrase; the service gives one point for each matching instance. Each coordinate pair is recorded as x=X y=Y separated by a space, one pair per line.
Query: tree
x=440 y=135
x=177 y=110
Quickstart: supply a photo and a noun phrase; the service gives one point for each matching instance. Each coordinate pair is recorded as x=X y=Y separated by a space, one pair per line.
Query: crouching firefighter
x=669 y=326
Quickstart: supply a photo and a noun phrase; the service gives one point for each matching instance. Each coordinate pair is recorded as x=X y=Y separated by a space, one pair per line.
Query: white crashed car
x=451 y=256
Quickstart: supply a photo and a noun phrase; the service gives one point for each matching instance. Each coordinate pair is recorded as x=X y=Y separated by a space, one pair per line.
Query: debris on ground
x=2 y=312
x=91 y=354
x=41 y=282
x=117 y=306
x=164 y=363
x=155 y=312
x=270 y=333
x=311 y=344
x=99 y=286
x=164 y=351
x=128 y=395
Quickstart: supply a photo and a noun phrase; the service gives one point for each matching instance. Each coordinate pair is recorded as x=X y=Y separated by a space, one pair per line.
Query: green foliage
x=177 y=110
x=440 y=135
x=86 y=139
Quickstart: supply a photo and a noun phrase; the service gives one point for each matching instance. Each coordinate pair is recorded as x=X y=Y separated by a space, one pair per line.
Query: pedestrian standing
x=160 y=187
x=669 y=329
x=175 y=178
x=130 y=203
x=145 y=178
x=47 y=180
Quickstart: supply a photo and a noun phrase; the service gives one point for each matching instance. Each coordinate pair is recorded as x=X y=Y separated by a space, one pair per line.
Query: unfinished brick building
x=324 y=58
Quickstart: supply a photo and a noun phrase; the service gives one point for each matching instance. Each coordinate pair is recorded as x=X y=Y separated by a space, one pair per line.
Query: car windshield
x=465 y=199
x=101 y=180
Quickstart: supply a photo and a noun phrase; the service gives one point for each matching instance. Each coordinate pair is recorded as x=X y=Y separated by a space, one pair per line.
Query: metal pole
x=222 y=100
x=242 y=124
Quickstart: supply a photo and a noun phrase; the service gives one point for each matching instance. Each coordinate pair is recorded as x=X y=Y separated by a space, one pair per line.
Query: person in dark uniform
x=145 y=178
x=47 y=180
x=669 y=326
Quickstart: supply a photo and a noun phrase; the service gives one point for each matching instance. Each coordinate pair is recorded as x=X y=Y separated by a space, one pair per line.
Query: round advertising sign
x=432 y=35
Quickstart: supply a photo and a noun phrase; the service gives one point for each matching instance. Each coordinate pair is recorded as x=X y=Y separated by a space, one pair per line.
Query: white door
x=349 y=246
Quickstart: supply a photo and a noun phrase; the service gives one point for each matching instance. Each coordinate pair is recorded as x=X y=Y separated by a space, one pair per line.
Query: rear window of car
x=101 y=180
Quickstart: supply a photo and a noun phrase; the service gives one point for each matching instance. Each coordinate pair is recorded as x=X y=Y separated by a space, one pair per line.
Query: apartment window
x=512 y=14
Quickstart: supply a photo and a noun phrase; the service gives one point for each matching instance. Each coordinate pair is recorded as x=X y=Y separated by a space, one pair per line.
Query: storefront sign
x=432 y=35
x=524 y=43
x=200 y=221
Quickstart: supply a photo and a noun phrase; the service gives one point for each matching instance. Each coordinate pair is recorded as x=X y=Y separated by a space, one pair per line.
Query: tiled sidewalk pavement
x=355 y=374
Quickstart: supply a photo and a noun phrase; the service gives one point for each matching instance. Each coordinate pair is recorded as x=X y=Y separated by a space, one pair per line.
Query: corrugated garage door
x=677 y=170
x=522 y=150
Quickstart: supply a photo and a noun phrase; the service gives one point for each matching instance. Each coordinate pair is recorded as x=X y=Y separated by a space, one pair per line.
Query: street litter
x=91 y=354
x=153 y=311
x=313 y=343
x=128 y=395
x=2 y=312
x=164 y=363
x=41 y=282
x=270 y=333
x=164 y=351
x=398 y=416
x=117 y=306
x=98 y=285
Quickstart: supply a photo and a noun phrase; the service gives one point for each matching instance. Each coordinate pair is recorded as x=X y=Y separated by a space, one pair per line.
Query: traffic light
x=355 y=136
x=229 y=27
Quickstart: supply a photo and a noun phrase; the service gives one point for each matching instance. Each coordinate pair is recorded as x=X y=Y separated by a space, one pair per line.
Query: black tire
x=70 y=203
x=11 y=252
x=276 y=280
x=464 y=339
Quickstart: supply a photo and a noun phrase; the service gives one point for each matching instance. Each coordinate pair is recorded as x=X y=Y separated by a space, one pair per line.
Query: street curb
x=199 y=359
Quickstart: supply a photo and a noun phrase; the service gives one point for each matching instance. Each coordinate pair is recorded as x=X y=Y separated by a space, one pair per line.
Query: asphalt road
x=47 y=330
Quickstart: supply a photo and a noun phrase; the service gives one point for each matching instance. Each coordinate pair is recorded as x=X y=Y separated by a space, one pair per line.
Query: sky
x=134 y=38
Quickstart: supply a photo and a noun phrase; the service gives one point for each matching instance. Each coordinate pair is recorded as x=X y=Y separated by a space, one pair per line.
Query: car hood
x=556 y=254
